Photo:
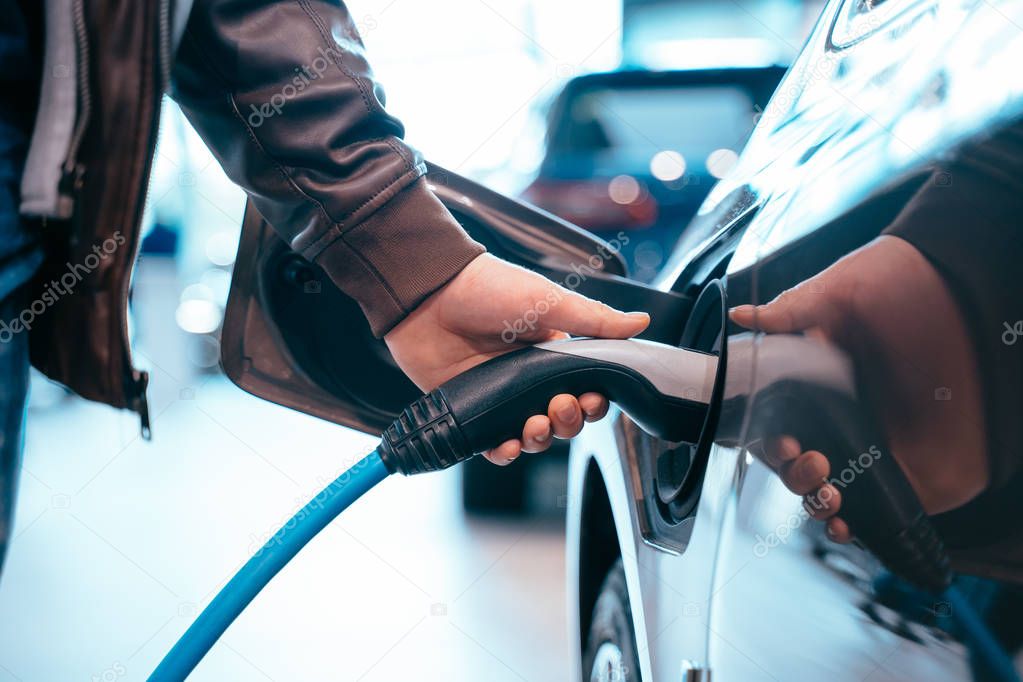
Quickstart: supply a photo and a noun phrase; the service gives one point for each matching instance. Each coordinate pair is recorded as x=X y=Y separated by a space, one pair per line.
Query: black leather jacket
x=284 y=96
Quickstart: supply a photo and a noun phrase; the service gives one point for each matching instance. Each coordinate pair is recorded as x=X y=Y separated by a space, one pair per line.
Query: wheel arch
x=598 y=547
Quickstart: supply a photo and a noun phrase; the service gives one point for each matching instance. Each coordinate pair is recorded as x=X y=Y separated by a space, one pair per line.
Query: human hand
x=493 y=307
x=888 y=307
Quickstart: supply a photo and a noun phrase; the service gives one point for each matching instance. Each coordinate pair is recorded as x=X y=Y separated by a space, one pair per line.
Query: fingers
x=803 y=306
x=537 y=434
x=566 y=416
x=823 y=503
x=838 y=531
x=505 y=453
x=594 y=406
x=805 y=473
x=581 y=316
x=780 y=451
x=744 y=315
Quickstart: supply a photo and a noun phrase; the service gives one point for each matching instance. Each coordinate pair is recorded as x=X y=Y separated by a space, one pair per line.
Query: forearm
x=283 y=95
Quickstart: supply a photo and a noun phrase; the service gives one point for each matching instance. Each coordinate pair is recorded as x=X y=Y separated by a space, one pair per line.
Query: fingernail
x=746 y=307
x=567 y=412
x=638 y=315
x=790 y=448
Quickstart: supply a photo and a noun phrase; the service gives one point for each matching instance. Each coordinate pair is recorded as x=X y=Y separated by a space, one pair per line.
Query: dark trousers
x=20 y=45
x=13 y=392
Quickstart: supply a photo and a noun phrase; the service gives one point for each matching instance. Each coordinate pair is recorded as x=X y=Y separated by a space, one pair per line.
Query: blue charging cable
x=265 y=564
x=982 y=642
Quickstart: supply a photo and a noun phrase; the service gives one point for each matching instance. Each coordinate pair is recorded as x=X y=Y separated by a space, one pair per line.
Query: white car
x=693 y=558
x=718 y=568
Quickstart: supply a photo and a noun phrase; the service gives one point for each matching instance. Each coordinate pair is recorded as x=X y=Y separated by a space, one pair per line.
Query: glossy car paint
x=880 y=92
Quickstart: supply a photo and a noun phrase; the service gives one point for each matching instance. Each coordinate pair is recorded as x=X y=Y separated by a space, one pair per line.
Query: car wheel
x=490 y=489
x=611 y=645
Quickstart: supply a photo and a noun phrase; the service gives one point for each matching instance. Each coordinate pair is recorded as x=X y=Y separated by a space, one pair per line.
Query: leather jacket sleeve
x=283 y=95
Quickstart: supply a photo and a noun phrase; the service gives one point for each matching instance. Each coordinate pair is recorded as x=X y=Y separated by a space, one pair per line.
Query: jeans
x=13 y=393
x=20 y=253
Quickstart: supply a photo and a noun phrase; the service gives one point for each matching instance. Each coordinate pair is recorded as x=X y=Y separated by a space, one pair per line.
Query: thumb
x=803 y=306
x=581 y=316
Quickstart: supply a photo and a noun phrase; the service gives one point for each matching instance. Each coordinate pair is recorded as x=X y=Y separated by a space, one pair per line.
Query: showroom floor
x=118 y=542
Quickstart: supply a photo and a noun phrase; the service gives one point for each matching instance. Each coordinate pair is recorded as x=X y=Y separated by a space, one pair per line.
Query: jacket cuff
x=394 y=259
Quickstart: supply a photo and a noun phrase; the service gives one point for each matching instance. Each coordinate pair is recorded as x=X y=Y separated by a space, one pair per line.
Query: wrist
x=399 y=256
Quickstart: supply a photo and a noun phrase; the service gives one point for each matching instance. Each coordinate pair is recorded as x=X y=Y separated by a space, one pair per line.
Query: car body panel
x=805 y=607
x=674 y=595
x=882 y=93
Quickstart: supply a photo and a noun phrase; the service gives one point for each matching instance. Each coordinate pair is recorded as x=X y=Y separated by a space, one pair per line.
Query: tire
x=611 y=645
x=488 y=489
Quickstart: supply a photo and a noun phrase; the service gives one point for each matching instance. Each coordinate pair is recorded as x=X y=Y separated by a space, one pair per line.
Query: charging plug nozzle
x=666 y=390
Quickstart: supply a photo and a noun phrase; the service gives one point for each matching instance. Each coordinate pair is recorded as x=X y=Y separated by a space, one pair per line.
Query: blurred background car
x=636 y=151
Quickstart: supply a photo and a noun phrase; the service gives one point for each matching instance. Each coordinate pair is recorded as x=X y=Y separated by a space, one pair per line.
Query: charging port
x=671 y=474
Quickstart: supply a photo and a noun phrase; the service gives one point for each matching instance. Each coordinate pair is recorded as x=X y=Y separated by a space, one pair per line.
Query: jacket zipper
x=71 y=176
x=164 y=38
x=71 y=179
x=140 y=379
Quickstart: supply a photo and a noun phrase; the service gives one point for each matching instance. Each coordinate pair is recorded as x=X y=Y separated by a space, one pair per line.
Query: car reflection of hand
x=888 y=307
